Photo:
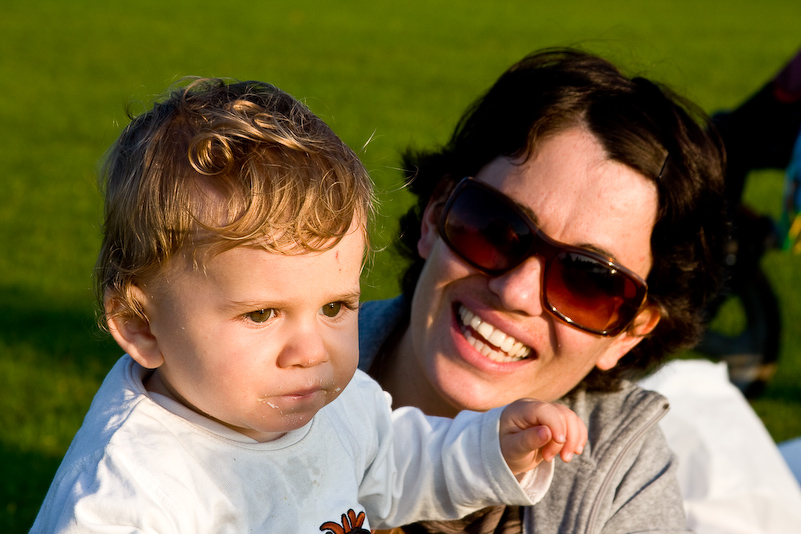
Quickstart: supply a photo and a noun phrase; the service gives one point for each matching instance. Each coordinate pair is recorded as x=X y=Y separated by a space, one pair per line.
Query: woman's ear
x=646 y=320
x=643 y=324
x=428 y=228
x=132 y=332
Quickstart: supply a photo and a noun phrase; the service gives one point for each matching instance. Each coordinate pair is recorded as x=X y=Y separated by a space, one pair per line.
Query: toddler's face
x=259 y=341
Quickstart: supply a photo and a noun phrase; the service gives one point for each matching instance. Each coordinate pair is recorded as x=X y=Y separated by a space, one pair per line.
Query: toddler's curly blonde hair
x=217 y=165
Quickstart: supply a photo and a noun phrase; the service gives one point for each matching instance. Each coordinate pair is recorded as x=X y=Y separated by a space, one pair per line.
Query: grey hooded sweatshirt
x=623 y=482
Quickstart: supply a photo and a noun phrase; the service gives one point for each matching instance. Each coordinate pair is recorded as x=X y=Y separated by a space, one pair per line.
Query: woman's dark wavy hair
x=640 y=124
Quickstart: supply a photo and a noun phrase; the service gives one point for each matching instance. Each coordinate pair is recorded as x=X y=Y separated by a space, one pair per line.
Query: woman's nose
x=520 y=290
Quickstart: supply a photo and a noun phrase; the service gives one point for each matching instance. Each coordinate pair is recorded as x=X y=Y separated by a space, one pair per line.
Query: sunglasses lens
x=590 y=293
x=487 y=231
x=484 y=232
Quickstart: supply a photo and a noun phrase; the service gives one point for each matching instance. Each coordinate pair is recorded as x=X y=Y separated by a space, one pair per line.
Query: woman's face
x=576 y=196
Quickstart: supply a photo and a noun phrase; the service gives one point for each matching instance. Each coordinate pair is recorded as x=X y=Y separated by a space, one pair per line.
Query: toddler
x=234 y=238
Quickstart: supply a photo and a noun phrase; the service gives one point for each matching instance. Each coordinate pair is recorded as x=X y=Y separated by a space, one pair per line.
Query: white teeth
x=493 y=339
x=497 y=338
x=485 y=329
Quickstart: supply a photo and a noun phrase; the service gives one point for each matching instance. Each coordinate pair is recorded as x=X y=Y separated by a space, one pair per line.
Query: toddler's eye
x=261 y=316
x=331 y=309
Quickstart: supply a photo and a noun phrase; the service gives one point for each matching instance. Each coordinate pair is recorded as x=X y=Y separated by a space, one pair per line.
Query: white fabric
x=733 y=478
x=144 y=465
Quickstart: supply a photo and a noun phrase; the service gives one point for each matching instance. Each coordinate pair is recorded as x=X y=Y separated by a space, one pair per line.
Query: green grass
x=394 y=74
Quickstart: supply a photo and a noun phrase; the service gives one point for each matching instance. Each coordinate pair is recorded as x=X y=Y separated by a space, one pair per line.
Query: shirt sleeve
x=433 y=468
x=103 y=496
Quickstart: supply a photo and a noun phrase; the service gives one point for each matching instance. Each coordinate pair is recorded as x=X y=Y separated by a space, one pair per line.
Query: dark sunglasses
x=587 y=290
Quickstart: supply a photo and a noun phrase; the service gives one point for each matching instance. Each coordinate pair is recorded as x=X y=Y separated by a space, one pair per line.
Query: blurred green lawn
x=384 y=75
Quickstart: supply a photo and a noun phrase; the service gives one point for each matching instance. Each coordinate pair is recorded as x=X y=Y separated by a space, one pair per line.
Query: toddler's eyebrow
x=351 y=297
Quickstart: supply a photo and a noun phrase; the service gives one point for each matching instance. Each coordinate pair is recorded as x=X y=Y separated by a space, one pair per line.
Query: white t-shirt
x=144 y=463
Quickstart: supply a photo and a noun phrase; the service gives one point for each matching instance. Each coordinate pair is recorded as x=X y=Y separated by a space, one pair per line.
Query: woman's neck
x=397 y=368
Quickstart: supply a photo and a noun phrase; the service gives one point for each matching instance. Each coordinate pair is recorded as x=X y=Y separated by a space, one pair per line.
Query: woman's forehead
x=576 y=195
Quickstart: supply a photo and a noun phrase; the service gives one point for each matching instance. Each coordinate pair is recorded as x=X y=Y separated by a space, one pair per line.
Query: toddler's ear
x=131 y=332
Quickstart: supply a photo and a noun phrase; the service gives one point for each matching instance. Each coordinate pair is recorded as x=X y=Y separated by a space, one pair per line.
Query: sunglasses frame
x=553 y=249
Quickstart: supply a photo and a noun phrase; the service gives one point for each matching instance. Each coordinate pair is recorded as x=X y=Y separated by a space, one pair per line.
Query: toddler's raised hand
x=532 y=431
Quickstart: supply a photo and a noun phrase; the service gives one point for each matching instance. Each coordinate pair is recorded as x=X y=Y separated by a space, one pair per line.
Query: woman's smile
x=489 y=340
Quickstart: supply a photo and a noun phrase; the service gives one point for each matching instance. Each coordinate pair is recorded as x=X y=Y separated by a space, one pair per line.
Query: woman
x=577 y=255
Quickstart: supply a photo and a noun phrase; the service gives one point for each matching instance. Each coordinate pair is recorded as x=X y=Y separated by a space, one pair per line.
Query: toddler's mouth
x=496 y=345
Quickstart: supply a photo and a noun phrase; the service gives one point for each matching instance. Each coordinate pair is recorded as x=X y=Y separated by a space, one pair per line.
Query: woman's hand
x=532 y=431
